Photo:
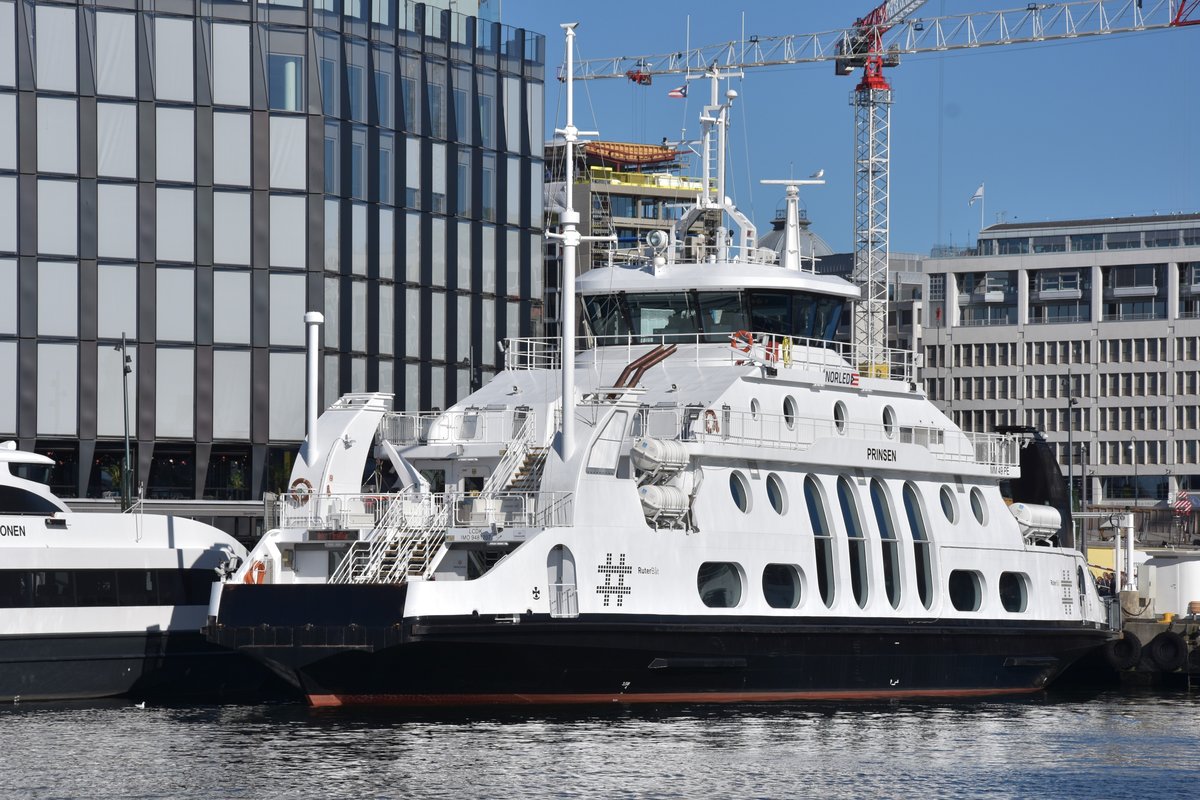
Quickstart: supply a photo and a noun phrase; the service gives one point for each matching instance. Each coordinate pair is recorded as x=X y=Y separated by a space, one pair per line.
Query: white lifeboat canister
x=653 y=455
x=1036 y=521
x=663 y=501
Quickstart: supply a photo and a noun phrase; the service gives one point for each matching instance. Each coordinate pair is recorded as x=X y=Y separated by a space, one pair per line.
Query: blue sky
x=1098 y=127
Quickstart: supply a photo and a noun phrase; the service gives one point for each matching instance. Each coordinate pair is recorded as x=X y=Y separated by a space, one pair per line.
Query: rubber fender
x=1123 y=653
x=1168 y=651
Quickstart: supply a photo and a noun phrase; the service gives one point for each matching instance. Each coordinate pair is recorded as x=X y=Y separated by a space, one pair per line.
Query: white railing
x=564 y=600
x=465 y=426
x=342 y=511
x=769 y=349
x=378 y=512
x=797 y=432
x=514 y=454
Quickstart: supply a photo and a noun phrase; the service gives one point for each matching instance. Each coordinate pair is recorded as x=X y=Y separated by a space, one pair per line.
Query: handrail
x=772 y=349
x=513 y=455
x=797 y=432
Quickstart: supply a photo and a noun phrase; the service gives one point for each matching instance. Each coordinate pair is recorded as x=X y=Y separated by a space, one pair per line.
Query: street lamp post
x=1071 y=403
x=126 y=368
x=1137 y=490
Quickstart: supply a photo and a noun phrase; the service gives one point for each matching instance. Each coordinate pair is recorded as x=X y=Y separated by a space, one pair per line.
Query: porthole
x=977 y=506
x=740 y=491
x=789 y=412
x=754 y=408
x=949 y=505
x=1014 y=591
x=889 y=422
x=839 y=416
x=776 y=494
x=966 y=590
x=781 y=585
x=719 y=584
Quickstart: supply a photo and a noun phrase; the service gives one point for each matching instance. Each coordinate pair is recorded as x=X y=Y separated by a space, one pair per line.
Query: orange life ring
x=710 y=422
x=742 y=340
x=300 y=489
x=257 y=573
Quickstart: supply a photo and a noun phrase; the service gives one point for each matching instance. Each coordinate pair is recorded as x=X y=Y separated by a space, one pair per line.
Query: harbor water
x=1111 y=745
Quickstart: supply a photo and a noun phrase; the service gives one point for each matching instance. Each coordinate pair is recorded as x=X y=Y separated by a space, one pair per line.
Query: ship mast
x=570 y=238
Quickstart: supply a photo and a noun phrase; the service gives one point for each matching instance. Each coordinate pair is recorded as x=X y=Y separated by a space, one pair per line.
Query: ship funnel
x=313 y=320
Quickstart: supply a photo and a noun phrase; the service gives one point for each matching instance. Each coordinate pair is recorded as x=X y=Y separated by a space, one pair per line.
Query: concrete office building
x=197 y=176
x=1087 y=325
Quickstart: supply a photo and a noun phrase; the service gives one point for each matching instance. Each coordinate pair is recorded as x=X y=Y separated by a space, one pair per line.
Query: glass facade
x=197 y=181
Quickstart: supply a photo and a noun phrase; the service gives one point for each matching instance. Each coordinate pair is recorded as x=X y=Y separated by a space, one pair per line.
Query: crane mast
x=872 y=101
x=877 y=41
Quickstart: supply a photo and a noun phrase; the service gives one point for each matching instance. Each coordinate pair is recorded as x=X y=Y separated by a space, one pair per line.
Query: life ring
x=1123 y=653
x=300 y=489
x=710 y=422
x=1168 y=651
x=742 y=340
x=257 y=573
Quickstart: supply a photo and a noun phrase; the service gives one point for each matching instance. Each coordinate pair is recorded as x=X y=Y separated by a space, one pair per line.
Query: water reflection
x=1112 y=744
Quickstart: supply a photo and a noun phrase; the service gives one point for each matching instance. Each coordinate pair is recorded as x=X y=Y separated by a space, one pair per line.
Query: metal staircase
x=401 y=546
x=528 y=476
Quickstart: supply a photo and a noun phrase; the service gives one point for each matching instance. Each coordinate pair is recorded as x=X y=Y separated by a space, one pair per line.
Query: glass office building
x=195 y=180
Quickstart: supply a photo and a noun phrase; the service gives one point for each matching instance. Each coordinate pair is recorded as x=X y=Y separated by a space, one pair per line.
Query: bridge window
x=822 y=540
x=654 y=316
x=722 y=312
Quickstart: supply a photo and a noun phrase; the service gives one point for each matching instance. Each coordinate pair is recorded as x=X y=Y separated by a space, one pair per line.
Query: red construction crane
x=875 y=42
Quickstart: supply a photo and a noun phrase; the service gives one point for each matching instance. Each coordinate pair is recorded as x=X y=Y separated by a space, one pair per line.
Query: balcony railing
x=465 y=426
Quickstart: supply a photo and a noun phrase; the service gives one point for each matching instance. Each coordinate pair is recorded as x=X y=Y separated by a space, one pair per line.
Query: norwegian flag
x=1183 y=504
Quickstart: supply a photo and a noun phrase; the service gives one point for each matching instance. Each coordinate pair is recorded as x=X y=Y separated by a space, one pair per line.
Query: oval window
x=754 y=407
x=1014 y=591
x=839 y=416
x=949 y=505
x=781 y=585
x=889 y=422
x=740 y=491
x=966 y=590
x=789 y=411
x=977 y=506
x=719 y=584
x=776 y=494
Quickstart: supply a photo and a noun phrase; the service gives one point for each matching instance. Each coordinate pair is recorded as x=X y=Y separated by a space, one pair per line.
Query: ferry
x=705 y=497
x=96 y=605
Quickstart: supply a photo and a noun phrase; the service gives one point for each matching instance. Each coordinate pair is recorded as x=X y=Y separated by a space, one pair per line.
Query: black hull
x=344 y=645
x=156 y=666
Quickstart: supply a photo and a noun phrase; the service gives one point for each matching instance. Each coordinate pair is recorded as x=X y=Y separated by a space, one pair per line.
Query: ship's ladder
x=401 y=546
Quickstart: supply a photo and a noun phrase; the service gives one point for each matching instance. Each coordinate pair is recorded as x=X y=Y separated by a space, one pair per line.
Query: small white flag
x=977 y=196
